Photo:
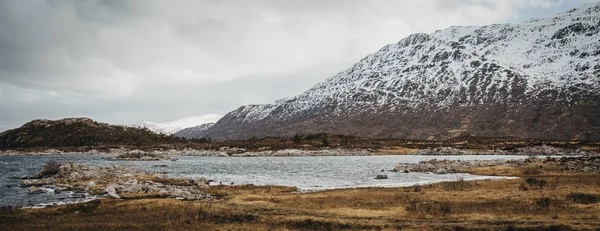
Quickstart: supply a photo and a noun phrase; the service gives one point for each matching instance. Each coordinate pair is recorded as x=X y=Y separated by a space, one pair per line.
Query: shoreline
x=542 y=150
x=550 y=199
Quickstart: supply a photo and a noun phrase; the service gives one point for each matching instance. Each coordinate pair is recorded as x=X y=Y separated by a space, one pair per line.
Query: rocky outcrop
x=117 y=182
x=139 y=155
x=574 y=164
x=300 y=152
x=455 y=166
x=539 y=150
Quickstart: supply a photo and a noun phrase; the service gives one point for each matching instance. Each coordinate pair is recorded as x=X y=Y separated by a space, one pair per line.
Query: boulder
x=441 y=171
x=112 y=192
x=134 y=187
x=34 y=190
x=200 y=181
x=90 y=184
x=32 y=182
x=381 y=177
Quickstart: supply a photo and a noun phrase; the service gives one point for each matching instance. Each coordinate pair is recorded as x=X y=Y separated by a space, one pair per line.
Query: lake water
x=307 y=173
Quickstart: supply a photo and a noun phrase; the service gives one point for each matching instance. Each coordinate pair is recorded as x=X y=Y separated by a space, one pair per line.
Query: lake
x=307 y=173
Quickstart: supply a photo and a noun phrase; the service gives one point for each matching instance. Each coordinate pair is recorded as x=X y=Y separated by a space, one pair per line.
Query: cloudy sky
x=121 y=61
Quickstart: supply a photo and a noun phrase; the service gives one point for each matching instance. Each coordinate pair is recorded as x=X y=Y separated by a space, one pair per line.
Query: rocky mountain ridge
x=193 y=132
x=537 y=79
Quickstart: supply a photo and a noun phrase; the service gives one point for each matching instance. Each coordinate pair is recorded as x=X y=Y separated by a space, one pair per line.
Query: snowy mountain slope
x=175 y=126
x=538 y=75
x=194 y=132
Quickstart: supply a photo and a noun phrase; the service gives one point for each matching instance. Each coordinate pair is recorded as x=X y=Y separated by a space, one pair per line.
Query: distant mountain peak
x=177 y=125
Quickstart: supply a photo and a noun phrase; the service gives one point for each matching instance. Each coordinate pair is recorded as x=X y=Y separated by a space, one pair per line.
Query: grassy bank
x=539 y=200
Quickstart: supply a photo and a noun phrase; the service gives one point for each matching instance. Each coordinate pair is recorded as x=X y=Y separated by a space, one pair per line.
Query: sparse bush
x=532 y=171
x=417 y=188
x=545 y=203
x=51 y=168
x=325 y=142
x=583 y=198
x=536 y=183
x=297 y=139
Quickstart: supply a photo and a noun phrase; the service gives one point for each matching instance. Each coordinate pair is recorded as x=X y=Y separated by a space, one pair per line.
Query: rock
x=381 y=177
x=57 y=190
x=112 y=192
x=34 y=190
x=441 y=171
x=200 y=181
x=77 y=195
x=90 y=184
x=135 y=187
x=32 y=182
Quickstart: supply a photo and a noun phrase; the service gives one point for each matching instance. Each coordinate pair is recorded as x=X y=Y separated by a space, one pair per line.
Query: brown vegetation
x=554 y=201
x=83 y=134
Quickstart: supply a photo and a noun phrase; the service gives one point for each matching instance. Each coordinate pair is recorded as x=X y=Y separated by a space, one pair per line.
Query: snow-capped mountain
x=194 y=132
x=178 y=125
x=536 y=79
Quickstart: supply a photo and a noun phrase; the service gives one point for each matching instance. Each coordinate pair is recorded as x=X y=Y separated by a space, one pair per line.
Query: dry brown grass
x=494 y=205
x=397 y=151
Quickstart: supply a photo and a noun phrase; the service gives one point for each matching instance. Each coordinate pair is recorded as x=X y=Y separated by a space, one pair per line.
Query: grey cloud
x=120 y=61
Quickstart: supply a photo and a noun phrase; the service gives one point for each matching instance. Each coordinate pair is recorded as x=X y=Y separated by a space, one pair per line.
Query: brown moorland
x=542 y=200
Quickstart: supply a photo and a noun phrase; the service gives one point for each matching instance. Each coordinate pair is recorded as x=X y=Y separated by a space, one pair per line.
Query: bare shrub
x=417 y=188
x=51 y=168
x=545 y=203
x=583 y=198
x=536 y=183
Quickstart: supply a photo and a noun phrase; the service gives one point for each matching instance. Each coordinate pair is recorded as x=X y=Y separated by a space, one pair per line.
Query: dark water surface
x=306 y=173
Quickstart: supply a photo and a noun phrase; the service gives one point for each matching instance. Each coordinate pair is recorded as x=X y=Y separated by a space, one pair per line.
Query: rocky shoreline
x=530 y=165
x=541 y=150
x=112 y=182
x=153 y=155
x=163 y=154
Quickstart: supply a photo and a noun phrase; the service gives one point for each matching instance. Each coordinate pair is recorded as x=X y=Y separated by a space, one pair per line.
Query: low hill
x=78 y=132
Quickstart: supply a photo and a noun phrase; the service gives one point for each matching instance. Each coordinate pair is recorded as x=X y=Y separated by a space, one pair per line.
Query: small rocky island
x=113 y=182
x=139 y=155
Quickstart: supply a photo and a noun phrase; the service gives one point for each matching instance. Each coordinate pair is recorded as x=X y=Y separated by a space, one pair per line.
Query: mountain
x=175 y=126
x=77 y=132
x=536 y=79
x=194 y=132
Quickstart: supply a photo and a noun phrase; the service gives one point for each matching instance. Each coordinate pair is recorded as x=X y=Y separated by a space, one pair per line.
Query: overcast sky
x=121 y=61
